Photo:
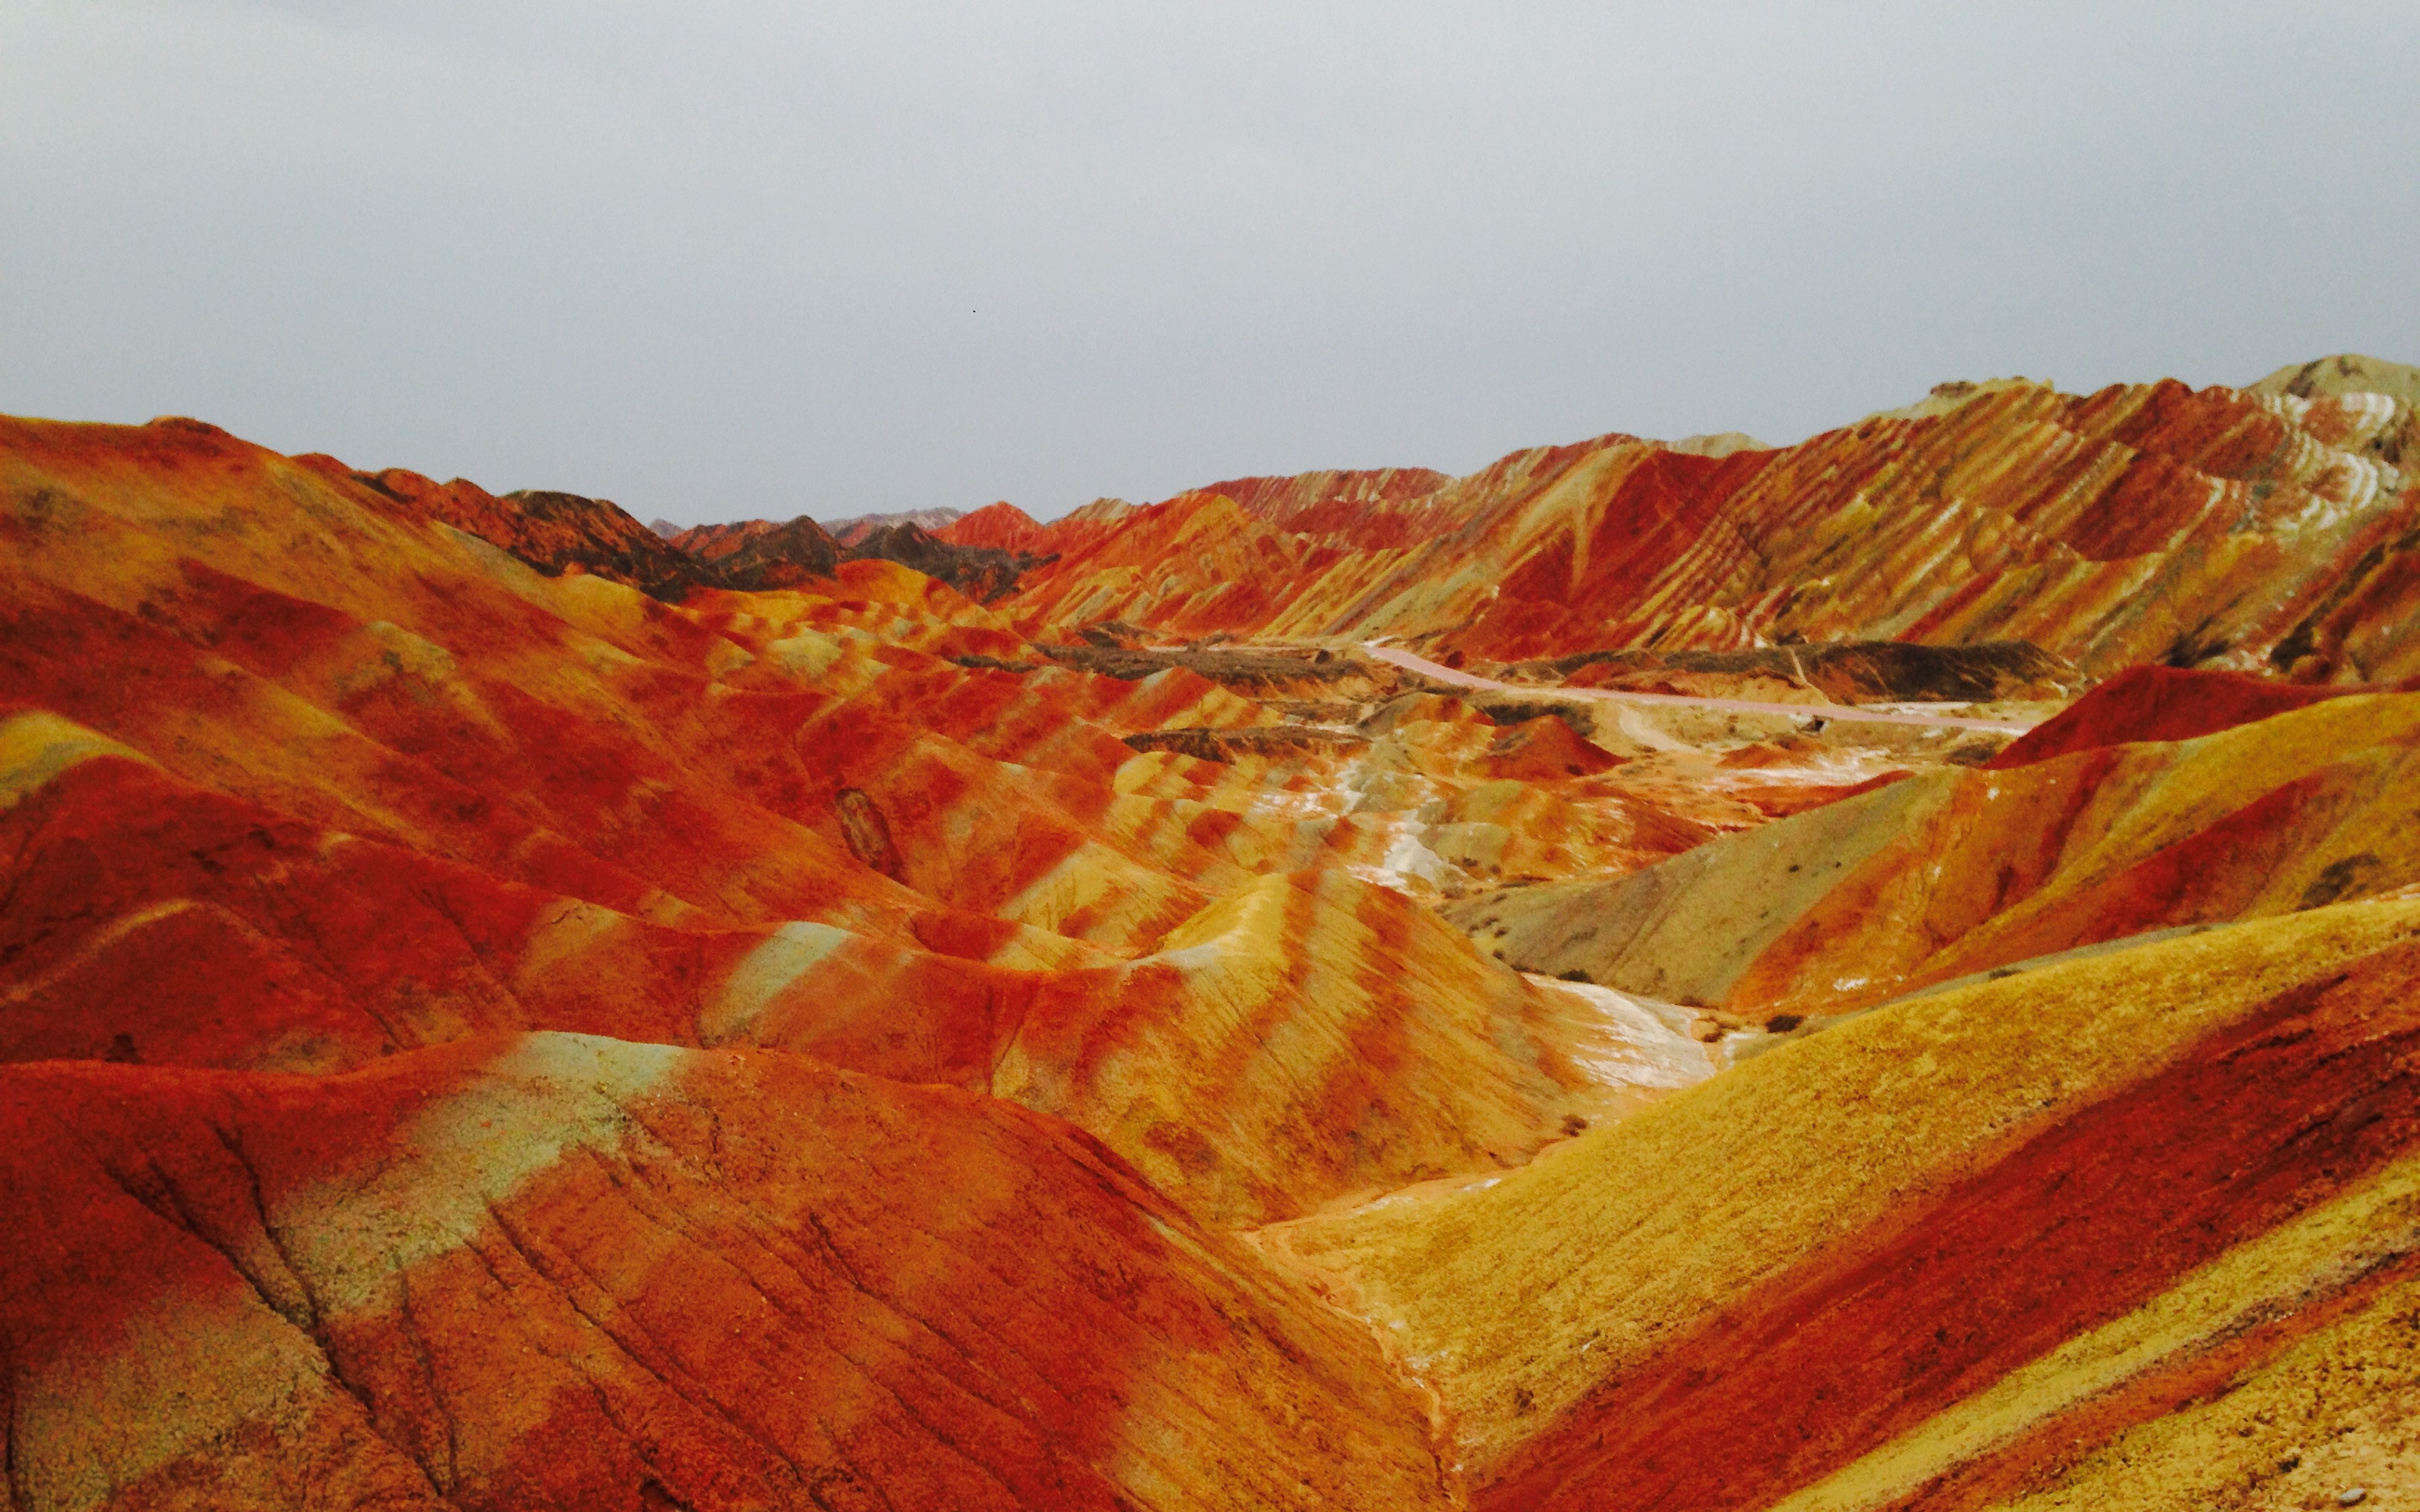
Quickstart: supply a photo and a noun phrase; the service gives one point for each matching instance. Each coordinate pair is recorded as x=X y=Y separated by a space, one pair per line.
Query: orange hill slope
x=1002 y=526
x=2144 y=523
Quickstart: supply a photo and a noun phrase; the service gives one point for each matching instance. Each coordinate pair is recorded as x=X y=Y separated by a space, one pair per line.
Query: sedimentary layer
x=1968 y=1225
x=559 y=1270
x=1961 y=871
x=2263 y=528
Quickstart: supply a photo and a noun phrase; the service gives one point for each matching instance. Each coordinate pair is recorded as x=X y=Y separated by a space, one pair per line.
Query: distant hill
x=2274 y=529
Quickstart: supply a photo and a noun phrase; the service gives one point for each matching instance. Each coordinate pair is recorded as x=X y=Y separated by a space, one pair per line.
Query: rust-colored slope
x=363 y=725
x=1338 y=503
x=1193 y=564
x=563 y=1272
x=149 y=920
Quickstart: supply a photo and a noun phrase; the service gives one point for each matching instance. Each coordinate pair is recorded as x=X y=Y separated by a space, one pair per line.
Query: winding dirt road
x=1804 y=711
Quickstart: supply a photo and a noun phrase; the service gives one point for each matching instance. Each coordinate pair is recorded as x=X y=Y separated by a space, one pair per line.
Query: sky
x=726 y=259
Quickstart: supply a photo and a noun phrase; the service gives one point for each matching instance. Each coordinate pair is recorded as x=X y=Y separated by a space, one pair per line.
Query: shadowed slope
x=857 y=527
x=756 y=554
x=779 y=556
x=554 y=533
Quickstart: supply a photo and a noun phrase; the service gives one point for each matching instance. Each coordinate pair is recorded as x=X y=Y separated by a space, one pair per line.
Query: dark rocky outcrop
x=782 y=557
x=758 y=554
x=1254 y=740
x=982 y=573
x=556 y=533
x=1851 y=672
x=1259 y=671
x=559 y=532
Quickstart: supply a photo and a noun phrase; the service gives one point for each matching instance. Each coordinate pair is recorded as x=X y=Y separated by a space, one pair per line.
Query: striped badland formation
x=497 y=1012
x=2258 y=530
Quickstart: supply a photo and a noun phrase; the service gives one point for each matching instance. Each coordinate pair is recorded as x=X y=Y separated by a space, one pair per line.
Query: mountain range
x=1877 y=973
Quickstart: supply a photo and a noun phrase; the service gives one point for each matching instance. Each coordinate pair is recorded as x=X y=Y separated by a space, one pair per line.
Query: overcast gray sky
x=719 y=260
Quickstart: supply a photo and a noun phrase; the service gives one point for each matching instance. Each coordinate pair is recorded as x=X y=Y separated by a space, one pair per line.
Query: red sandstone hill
x=1002 y=526
x=496 y=1016
x=2255 y=530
